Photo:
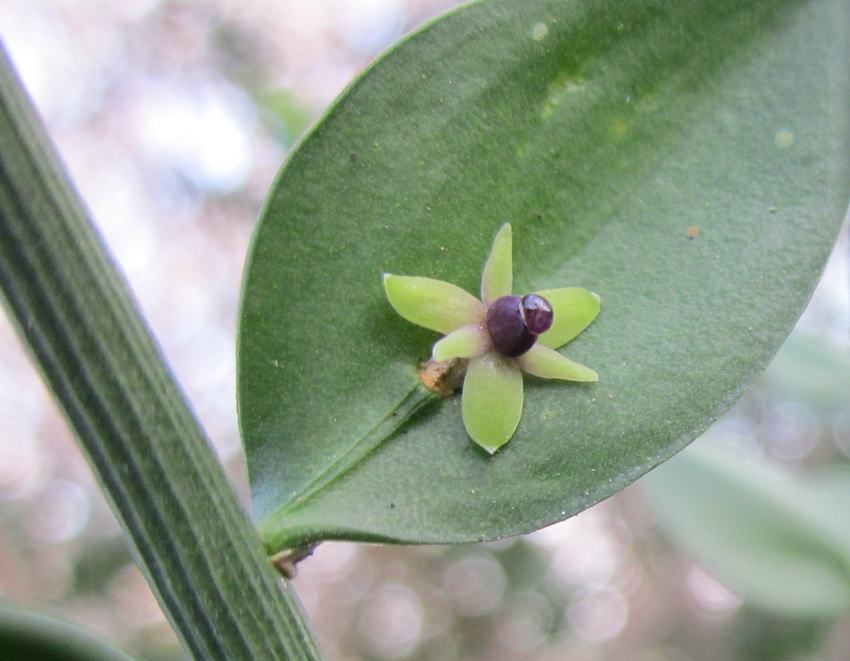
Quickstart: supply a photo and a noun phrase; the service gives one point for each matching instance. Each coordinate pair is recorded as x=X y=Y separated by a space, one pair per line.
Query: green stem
x=200 y=554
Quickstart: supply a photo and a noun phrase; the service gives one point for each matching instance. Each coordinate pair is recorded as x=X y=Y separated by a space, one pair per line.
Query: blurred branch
x=198 y=550
x=33 y=636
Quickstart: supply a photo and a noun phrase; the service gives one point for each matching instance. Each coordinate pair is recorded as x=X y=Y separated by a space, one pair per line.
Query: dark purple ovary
x=514 y=322
x=537 y=313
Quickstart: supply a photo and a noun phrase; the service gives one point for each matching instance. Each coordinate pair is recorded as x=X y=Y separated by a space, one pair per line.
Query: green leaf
x=779 y=541
x=465 y=342
x=34 y=636
x=549 y=364
x=434 y=304
x=289 y=116
x=497 y=278
x=492 y=400
x=602 y=131
x=811 y=370
x=574 y=309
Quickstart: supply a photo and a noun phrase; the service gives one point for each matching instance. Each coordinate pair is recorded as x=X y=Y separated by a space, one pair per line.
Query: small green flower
x=501 y=335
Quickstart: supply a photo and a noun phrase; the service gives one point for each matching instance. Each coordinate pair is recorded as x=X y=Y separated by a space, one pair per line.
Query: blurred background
x=173 y=118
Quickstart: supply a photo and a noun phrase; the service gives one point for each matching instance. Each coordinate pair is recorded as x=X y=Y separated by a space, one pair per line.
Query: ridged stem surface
x=197 y=548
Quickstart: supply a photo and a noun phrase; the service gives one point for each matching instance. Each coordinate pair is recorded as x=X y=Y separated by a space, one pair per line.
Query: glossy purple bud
x=537 y=313
x=506 y=325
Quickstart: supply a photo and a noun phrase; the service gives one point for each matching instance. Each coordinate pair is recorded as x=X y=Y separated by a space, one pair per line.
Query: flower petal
x=497 y=278
x=492 y=400
x=574 y=310
x=549 y=364
x=465 y=342
x=434 y=304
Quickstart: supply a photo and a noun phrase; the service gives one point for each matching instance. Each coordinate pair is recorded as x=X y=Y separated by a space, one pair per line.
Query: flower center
x=514 y=322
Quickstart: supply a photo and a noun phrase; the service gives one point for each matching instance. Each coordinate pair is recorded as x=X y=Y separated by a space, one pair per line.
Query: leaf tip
x=505 y=236
x=489 y=448
x=387 y=280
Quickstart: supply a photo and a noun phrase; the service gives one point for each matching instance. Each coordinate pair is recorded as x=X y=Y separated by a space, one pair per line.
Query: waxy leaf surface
x=607 y=133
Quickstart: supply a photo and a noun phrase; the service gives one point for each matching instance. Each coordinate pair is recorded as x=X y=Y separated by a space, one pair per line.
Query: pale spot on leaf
x=539 y=32
x=784 y=138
